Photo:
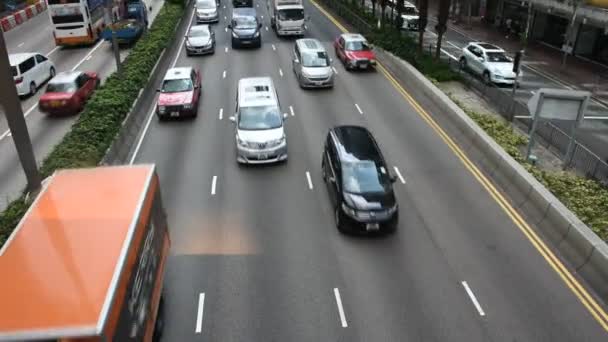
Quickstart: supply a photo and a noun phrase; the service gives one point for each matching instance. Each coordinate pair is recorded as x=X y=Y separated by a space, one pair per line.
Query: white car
x=488 y=61
x=410 y=17
x=30 y=71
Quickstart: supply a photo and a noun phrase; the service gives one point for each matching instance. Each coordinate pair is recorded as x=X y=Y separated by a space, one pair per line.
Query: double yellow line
x=571 y=282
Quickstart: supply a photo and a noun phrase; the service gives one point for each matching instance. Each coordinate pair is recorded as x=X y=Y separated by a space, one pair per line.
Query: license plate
x=174 y=114
x=319 y=83
x=363 y=65
x=263 y=156
x=55 y=103
x=372 y=226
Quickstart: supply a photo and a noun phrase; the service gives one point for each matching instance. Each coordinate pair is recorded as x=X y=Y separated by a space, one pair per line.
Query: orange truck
x=87 y=261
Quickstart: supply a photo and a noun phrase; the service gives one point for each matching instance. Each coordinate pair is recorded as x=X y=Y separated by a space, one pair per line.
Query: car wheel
x=463 y=63
x=323 y=173
x=486 y=78
x=32 y=88
x=51 y=73
x=97 y=83
x=337 y=218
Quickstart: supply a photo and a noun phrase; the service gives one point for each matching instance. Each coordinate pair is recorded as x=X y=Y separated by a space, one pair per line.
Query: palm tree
x=383 y=4
x=374 y=7
x=423 y=7
x=399 y=20
x=442 y=20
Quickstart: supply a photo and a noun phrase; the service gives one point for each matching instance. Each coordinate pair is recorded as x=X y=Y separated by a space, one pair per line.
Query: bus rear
x=76 y=22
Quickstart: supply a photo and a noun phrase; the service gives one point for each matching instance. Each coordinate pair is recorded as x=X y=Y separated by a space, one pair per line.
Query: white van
x=259 y=133
x=30 y=71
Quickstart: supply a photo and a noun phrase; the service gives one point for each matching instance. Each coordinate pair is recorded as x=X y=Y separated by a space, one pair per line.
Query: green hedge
x=101 y=119
x=586 y=198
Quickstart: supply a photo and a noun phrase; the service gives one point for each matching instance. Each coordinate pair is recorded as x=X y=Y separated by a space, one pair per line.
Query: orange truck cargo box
x=86 y=262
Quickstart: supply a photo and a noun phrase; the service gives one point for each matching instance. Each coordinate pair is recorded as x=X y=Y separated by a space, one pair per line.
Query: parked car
x=358 y=181
x=312 y=64
x=30 y=71
x=246 y=28
x=200 y=40
x=259 y=127
x=354 y=51
x=68 y=92
x=488 y=61
x=206 y=11
x=179 y=93
x=410 y=17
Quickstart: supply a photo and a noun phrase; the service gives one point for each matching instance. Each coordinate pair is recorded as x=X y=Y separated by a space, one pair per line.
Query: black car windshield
x=198 y=32
x=364 y=177
x=315 y=59
x=14 y=71
x=410 y=11
x=205 y=4
x=259 y=118
x=497 y=57
x=291 y=14
x=61 y=88
x=244 y=22
x=357 y=45
x=176 y=86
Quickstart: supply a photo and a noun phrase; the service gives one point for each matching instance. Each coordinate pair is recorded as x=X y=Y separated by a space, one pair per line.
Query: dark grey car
x=200 y=40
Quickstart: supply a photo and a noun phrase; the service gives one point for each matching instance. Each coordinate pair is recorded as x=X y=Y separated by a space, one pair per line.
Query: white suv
x=30 y=71
x=488 y=61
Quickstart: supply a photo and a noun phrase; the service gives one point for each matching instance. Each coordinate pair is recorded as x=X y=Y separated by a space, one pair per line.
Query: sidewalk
x=578 y=73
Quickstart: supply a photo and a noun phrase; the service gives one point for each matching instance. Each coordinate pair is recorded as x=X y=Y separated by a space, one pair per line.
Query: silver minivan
x=259 y=124
x=312 y=64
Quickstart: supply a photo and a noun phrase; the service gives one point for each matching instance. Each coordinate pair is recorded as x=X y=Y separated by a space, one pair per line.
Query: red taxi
x=67 y=92
x=354 y=51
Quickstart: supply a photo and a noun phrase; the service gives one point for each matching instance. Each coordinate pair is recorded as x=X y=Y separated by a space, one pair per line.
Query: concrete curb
x=576 y=242
x=11 y=21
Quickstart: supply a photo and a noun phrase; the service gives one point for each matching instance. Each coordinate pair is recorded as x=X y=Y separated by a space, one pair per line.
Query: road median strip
x=101 y=120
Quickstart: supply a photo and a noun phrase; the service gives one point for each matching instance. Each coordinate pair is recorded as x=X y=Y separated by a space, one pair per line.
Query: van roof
x=256 y=91
x=310 y=44
x=16 y=58
x=61 y=265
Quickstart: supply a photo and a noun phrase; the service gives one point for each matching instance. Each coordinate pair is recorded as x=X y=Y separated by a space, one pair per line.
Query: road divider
x=399 y=175
x=340 y=308
x=473 y=298
x=309 y=180
x=358 y=109
x=213 y=185
x=199 y=313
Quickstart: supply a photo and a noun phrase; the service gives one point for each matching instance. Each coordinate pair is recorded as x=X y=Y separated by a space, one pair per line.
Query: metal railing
x=583 y=161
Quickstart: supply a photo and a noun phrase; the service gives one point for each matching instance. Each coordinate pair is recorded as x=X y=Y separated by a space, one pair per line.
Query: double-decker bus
x=79 y=22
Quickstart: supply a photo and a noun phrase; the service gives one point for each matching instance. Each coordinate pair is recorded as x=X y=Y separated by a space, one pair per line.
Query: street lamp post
x=9 y=101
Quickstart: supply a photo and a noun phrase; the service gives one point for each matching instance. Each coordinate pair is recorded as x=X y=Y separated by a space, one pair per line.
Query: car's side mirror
x=185 y=36
x=285 y=116
x=233 y=118
x=331 y=179
x=229 y=26
x=295 y=60
x=260 y=25
x=393 y=179
x=158 y=90
x=481 y=59
x=196 y=86
x=307 y=18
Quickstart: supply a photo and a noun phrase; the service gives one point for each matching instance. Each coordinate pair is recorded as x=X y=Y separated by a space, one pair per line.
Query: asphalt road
x=255 y=252
x=45 y=132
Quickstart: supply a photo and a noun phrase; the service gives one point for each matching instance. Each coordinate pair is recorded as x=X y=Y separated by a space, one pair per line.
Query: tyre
x=337 y=219
x=486 y=78
x=463 y=63
x=52 y=73
x=32 y=88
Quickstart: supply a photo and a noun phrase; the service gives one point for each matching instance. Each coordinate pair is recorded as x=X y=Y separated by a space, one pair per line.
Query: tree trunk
x=423 y=8
x=374 y=8
x=442 y=19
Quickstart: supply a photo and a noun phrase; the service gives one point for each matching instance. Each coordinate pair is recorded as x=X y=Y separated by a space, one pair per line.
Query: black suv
x=358 y=181
x=245 y=27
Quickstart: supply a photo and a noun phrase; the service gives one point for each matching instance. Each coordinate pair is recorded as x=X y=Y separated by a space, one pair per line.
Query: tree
x=422 y=21
x=399 y=20
x=383 y=4
x=442 y=20
x=374 y=7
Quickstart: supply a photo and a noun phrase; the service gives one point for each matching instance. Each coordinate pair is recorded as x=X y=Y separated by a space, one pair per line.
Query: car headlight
x=241 y=142
x=348 y=210
x=188 y=106
x=497 y=76
x=188 y=43
x=277 y=142
x=234 y=35
x=256 y=34
x=391 y=210
x=372 y=61
x=161 y=109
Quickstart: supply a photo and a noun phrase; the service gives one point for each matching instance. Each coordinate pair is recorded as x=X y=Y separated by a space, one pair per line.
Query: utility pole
x=570 y=31
x=109 y=21
x=9 y=101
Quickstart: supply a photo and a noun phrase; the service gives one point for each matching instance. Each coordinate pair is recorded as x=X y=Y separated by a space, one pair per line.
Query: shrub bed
x=101 y=119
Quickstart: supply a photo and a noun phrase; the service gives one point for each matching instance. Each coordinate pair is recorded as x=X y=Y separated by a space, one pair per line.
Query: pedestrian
x=508 y=24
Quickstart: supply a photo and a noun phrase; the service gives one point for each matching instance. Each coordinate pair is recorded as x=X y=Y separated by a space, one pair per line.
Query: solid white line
x=213 y=184
x=226 y=49
x=340 y=308
x=281 y=72
x=88 y=58
x=291 y=110
x=221 y=113
x=359 y=109
x=454 y=45
x=88 y=54
x=334 y=69
x=273 y=48
x=309 y=180
x=199 y=314
x=224 y=74
x=20 y=45
x=399 y=175
x=473 y=299
x=226 y=29
x=52 y=51
x=181 y=45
